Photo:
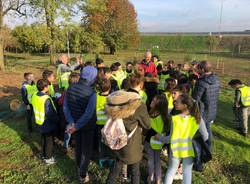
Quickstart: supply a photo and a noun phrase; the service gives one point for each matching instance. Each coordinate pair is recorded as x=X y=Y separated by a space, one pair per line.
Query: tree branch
x=16 y=7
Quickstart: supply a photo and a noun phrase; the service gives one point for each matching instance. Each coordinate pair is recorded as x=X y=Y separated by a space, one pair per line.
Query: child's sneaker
x=50 y=161
x=178 y=176
x=84 y=180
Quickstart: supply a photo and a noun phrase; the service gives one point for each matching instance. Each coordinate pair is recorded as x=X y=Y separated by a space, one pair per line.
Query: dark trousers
x=83 y=150
x=209 y=131
x=116 y=170
x=29 y=115
x=47 y=144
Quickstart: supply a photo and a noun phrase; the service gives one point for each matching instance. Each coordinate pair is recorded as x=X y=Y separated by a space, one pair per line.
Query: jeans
x=154 y=163
x=67 y=137
x=115 y=173
x=47 y=145
x=173 y=164
x=83 y=149
x=244 y=114
x=210 y=135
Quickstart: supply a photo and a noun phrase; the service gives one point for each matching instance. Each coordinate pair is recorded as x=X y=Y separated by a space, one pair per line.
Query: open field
x=20 y=153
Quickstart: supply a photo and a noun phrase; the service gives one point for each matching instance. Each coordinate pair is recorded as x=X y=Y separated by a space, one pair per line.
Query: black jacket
x=206 y=93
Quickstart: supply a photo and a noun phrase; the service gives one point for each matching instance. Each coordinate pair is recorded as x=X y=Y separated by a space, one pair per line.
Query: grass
x=20 y=153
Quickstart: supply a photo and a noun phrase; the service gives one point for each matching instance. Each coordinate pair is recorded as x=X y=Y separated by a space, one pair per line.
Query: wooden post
x=217 y=64
x=223 y=68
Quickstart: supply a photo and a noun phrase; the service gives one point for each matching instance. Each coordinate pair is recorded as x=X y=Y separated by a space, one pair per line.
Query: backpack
x=114 y=134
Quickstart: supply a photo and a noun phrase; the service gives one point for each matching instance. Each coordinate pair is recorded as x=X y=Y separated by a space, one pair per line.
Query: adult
x=64 y=69
x=128 y=107
x=148 y=65
x=80 y=113
x=206 y=93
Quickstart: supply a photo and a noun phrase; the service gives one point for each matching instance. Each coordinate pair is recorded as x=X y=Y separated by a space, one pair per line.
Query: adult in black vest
x=80 y=113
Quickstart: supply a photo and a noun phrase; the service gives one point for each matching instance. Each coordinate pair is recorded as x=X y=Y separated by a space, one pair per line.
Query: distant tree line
x=105 y=23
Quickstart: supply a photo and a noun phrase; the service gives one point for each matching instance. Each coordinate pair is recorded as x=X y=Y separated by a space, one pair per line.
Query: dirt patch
x=5 y=141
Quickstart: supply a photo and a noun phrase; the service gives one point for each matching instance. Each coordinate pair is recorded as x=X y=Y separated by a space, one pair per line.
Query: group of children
x=175 y=116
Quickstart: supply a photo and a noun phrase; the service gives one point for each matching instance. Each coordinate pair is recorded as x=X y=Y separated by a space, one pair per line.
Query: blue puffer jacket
x=206 y=93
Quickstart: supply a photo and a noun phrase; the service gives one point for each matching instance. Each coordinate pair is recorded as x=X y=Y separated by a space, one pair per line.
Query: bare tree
x=17 y=7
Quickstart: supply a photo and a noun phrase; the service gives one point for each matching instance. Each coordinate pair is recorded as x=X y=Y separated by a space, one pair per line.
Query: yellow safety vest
x=63 y=79
x=38 y=103
x=119 y=78
x=100 y=110
x=31 y=89
x=157 y=125
x=170 y=100
x=51 y=91
x=245 y=95
x=143 y=95
x=163 y=78
x=183 y=130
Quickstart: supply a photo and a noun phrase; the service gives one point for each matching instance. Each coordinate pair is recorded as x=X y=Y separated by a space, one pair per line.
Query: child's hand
x=157 y=137
x=71 y=129
x=79 y=60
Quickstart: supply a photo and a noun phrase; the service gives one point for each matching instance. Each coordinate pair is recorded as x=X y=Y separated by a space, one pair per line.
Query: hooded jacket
x=134 y=113
x=206 y=93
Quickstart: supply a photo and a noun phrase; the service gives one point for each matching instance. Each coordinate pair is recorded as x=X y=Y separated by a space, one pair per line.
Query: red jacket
x=149 y=68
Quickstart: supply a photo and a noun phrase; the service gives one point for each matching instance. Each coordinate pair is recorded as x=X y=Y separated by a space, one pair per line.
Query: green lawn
x=20 y=153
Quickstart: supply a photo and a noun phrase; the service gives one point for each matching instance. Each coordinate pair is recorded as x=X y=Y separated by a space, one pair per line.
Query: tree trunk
x=112 y=50
x=1 y=39
x=49 y=7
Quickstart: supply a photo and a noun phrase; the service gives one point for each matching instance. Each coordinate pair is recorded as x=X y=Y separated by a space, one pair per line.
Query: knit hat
x=121 y=97
x=89 y=73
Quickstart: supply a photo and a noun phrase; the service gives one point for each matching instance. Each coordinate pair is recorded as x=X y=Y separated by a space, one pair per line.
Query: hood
x=210 y=79
x=121 y=104
x=89 y=73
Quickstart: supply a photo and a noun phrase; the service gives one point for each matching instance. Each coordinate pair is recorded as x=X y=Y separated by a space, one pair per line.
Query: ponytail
x=192 y=106
x=194 y=111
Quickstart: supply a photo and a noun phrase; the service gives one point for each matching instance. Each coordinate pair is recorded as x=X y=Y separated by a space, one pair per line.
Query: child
x=129 y=69
x=184 y=127
x=241 y=105
x=73 y=78
x=163 y=77
x=27 y=90
x=170 y=84
x=99 y=63
x=136 y=84
x=104 y=89
x=108 y=75
x=159 y=124
x=117 y=73
x=49 y=75
x=46 y=118
x=192 y=79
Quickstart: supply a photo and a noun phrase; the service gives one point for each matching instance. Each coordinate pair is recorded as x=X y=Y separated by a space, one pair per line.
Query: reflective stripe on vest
x=245 y=95
x=100 y=113
x=163 y=78
x=157 y=125
x=143 y=96
x=38 y=103
x=31 y=89
x=170 y=100
x=183 y=130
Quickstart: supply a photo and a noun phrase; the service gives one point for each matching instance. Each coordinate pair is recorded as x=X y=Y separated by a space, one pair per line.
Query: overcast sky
x=184 y=15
